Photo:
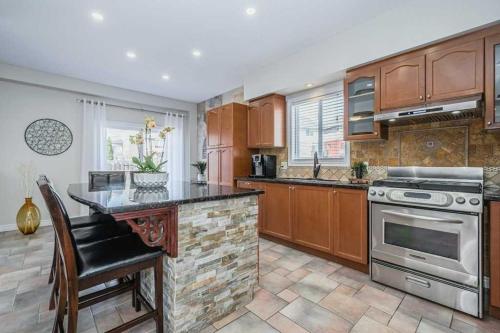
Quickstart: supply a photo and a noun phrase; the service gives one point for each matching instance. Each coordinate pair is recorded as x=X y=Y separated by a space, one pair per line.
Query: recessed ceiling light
x=165 y=77
x=196 y=53
x=97 y=16
x=131 y=54
x=309 y=85
x=251 y=11
x=392 y=120
x=456 y=112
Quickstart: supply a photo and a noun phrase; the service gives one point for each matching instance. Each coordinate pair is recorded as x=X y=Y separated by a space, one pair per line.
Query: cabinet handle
x=421 y=97
x=428 y=95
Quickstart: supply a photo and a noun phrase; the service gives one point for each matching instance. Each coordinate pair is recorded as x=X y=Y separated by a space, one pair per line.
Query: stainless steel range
x=426 y=234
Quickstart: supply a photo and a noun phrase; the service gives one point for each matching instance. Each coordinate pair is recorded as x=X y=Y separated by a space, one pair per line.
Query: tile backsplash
x=450 y=143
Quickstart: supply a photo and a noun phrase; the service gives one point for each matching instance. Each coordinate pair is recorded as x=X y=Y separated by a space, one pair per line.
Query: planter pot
x=150 y=179
x=201 y=178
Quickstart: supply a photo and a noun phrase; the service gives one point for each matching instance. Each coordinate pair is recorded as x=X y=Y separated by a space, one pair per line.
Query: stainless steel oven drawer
x=454 y=296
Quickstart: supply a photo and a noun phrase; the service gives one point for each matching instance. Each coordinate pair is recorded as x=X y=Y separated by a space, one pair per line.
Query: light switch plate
x=284 y=165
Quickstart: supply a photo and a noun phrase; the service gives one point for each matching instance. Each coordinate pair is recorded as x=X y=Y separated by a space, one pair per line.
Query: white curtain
x=174 y=150
x=94 y=137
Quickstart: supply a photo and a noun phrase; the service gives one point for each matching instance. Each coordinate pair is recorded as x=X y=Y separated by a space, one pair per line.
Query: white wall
x=408 y=26
x=22 y=103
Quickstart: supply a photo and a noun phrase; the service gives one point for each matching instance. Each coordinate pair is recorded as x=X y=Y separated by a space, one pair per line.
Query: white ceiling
x=59 y=36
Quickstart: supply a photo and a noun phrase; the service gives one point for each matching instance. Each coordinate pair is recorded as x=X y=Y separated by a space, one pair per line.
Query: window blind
x=318 y=125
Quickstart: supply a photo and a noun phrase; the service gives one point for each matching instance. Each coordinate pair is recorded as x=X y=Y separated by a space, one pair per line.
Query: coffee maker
x=263 y=166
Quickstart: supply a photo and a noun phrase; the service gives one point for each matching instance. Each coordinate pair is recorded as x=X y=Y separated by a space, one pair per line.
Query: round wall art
x=48 y=137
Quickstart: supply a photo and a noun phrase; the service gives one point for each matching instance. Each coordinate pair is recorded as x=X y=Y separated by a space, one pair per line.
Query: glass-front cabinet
x=492 y=82
x=362 y=101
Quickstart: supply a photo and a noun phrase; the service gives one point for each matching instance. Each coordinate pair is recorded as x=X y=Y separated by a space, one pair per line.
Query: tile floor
x=298 y=293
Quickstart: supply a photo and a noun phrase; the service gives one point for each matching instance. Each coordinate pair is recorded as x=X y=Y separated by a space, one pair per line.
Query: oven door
x=443 y=244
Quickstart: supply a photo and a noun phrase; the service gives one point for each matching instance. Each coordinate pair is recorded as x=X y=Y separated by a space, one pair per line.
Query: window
x=119 y=149
x=317 y=125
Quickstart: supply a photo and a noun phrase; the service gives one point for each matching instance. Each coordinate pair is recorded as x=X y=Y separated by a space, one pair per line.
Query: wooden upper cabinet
x=266 y=122
x=362 y=102
x=253 y=126
x=492 y=84
x=213 y=166
x=454 y=70
x=350 y=225
x=402 y=81
x=277 y=216
x=312 y=217
x=213 y=125
x=226 y=126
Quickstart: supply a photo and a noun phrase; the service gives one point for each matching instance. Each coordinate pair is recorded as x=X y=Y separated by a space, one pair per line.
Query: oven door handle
x=421 y=217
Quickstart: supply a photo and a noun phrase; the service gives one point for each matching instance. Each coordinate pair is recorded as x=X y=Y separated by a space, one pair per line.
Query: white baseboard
x=11 y=227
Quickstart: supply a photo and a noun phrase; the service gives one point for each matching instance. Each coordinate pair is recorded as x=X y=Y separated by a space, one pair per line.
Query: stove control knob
x=381 y=193
x=460 y=200
x=373 y=192
x=474 y=201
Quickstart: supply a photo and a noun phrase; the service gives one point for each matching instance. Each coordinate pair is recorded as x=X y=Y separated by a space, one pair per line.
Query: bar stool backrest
x=61 y=223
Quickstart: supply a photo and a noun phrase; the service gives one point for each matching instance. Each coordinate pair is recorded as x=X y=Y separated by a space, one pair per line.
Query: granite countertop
x=126 y=197
x=491 y=193
x=307 y=181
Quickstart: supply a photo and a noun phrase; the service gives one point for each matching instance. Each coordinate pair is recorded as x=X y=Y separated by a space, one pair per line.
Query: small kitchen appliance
x=263 y=166
x=426 y=234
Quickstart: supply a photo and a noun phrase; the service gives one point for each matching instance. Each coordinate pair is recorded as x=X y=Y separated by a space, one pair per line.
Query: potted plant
x=359 y=169
x=149 y=163
x=201 y=166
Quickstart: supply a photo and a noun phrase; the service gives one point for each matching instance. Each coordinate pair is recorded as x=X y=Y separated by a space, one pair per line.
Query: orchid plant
x=145 y=162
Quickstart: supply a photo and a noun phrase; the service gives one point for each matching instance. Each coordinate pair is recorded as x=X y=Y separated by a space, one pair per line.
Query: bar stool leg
x=53 y=267
x=72 y=308
x=159 y=294
x=57 y=279
x=61 y=304
x=137 y=290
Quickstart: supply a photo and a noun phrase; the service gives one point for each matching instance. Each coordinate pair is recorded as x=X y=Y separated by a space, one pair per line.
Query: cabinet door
x=262 y=199
x=495 y=253
x=492 y=82
x=312 y=218
x=253 y=125
x=267 y=122
x=454 y=71
x=350 y=232
x=226 y=126
x=362 y=102
x=213 y=128
x=213 y=166
x=402 y=82
x=277 y=220
x=226 y=167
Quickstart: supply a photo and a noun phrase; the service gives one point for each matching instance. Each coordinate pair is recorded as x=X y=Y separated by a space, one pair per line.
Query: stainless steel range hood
x=470 y=107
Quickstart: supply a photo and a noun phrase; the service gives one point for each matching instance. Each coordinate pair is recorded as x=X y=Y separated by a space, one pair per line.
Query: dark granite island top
x=491 y=193
x=114 y=199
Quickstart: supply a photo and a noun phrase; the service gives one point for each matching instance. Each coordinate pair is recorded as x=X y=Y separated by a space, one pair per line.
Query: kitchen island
x=209 y=234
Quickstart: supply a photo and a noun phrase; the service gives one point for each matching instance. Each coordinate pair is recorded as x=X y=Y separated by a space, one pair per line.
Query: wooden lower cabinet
x=331 y=221
x=262 y=198
x=350 y=226
x=277 y=213
x=494 y=213
x=312 y=217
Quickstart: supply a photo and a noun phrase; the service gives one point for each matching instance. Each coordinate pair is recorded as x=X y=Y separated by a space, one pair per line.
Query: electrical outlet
x=284 y=165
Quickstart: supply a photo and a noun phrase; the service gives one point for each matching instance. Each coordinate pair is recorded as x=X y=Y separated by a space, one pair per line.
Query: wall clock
x=48 y=137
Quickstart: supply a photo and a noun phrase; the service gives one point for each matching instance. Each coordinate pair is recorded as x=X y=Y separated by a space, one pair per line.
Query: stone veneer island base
x=215 y=271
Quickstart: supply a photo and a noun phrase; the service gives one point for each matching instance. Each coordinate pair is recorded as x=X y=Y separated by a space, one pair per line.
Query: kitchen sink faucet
x=316 y=165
